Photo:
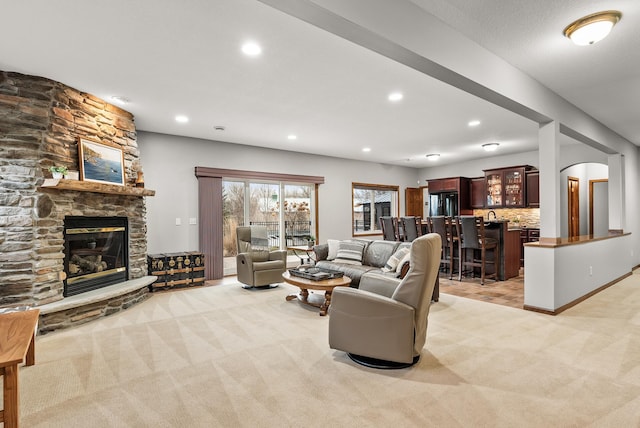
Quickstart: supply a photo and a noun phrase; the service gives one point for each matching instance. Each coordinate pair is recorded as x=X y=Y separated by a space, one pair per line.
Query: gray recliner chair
x=256 y=264
x=388 y=332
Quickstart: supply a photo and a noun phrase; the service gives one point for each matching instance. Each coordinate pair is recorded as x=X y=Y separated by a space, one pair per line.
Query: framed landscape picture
x=100 y=162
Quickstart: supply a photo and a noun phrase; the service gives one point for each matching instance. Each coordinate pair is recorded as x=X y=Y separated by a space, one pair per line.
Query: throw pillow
x=393 y=261
x=404 y=260
x=333 y=248
x=350 y=252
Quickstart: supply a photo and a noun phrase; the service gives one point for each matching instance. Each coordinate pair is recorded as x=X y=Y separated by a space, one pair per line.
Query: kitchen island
x=509 y=243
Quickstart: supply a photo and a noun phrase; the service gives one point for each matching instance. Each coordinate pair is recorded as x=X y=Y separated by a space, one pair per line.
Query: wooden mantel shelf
x=88 y=186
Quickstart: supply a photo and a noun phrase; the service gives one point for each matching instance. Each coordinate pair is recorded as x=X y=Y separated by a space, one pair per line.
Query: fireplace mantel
x=86 y=186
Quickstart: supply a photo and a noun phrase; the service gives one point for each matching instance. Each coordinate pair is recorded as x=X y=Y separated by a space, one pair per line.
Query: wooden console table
x=17 y=344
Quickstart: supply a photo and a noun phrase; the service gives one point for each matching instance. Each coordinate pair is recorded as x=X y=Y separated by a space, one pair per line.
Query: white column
x=616 y=192
x=549 y=153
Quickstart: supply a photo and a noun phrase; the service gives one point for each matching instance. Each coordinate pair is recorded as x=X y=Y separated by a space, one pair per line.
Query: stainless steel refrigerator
x=443 y=204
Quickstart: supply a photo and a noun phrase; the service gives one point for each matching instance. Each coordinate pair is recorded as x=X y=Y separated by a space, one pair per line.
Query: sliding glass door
x=285 y=209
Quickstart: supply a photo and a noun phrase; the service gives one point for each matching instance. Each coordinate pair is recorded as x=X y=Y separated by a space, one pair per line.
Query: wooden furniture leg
x=30 y=358
x=10 y=394
x=17 y=336
x=327 y=302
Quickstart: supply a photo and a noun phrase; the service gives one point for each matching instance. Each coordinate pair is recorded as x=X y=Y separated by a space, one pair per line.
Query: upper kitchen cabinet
x=449 y=191
x=533 y=189
x=506 y=187
x=477 y=192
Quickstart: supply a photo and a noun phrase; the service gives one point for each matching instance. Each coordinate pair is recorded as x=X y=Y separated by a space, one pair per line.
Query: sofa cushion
x=355 y=272
x=377 y=253
x=404 y=260
x=350 y=252
x=395 y=259
x=333 y=244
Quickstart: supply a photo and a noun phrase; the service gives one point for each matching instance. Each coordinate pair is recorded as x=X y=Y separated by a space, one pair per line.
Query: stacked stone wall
x=41 y=122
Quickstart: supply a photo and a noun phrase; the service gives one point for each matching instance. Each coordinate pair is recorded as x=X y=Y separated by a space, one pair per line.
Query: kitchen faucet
x=489 y=215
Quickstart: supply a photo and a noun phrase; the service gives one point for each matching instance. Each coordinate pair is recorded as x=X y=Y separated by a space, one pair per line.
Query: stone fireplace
x=40 y=123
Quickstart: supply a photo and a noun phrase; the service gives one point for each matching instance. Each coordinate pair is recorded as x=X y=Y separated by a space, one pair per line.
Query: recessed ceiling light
x=490 y=147
x=474 y=123
x=592 y=28
x=395 y=96
x=120 y=100
x=433 y=157
x=366 y=149
x=182 y=119
x=251 y=49
x=292 y=137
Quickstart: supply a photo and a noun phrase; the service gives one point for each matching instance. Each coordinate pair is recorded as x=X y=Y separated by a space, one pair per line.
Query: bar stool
x=389 y=226
x=438 y=224
x=410 y=228
x=472 y=237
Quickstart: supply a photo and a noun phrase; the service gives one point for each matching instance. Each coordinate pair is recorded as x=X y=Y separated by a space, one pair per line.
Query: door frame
x=573 y=206
x=591 y=183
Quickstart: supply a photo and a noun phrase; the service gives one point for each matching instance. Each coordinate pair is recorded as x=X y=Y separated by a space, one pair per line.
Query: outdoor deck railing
x=296 y=232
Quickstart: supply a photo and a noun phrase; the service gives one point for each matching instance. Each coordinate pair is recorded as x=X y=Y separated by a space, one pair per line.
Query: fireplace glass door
x=95 y=253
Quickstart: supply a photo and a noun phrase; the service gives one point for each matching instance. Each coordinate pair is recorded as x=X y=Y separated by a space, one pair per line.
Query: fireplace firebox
x=96 y=253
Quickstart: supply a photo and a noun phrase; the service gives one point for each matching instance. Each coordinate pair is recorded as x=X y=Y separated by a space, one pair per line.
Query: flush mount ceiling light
x=182 y=119
x=366 y=149
x=395 y=96
x=251 y=49
x=490 y=147
x=433 y=157
x=474 y=123
x=592 y=28
x=292 y=137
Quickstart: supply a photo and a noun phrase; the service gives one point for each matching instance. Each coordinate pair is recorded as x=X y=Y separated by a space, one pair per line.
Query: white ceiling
x=169 y=57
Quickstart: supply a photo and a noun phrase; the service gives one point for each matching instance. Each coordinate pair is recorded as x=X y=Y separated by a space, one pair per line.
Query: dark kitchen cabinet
x=527 y=235
x=533 y=189
x=455 y=185
x=506 y=187
x=477 y=192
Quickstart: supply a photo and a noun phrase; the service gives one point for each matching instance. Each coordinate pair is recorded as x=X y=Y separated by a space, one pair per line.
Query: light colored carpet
x=222 y=356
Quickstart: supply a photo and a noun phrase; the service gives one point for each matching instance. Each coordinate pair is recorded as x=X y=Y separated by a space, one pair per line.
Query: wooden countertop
x=576 y=240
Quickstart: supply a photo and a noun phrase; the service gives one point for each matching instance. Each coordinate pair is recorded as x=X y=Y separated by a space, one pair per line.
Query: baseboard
x=578 y=300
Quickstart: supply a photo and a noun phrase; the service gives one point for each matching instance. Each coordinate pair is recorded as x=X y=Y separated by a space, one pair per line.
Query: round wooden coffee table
x=326 y=285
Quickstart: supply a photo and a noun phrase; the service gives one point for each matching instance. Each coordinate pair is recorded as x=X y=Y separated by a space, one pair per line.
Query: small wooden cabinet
x=506 y=187
x=477 y=192
x=445 y=185
x=533 y=189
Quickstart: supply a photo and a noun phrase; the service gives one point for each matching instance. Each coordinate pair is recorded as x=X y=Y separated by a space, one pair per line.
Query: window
x=370 y=202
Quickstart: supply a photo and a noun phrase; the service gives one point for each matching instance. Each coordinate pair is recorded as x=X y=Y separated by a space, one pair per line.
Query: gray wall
x=169 y=163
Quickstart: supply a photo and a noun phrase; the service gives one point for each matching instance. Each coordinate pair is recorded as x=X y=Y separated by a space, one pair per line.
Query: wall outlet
x=590 y=270
x=178 y=221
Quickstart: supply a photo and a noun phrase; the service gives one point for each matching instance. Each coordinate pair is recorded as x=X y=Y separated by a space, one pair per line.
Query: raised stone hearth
x=41 y=122
x=93 y=304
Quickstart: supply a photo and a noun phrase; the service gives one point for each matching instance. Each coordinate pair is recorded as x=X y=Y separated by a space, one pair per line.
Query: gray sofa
x=370 y=275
